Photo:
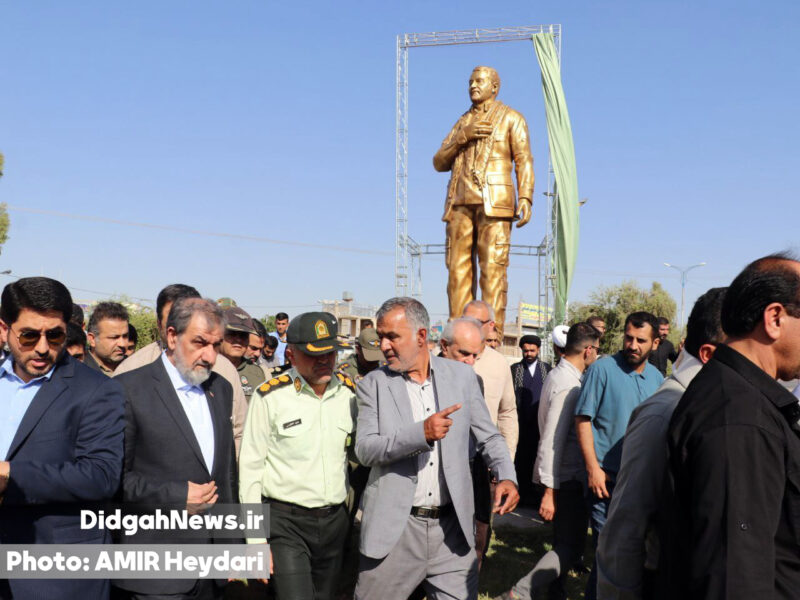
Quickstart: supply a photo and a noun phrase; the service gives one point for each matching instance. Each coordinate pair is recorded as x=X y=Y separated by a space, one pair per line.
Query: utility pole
x=683 y=272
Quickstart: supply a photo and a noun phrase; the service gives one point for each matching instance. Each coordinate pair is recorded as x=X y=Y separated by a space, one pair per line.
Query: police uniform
x=348 y=368
x=251 y=376
x=294 y=457
x=238 y=321
x=370 y=346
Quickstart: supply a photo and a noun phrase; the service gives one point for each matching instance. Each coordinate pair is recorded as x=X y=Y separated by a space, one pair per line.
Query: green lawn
x=513 y=552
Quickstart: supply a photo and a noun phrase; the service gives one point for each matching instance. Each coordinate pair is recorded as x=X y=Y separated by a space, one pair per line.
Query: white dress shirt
x=532 y=367
x=195 y=405
x=431 y=486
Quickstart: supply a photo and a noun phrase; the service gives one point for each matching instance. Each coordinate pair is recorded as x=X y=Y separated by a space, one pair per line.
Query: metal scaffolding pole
x=401 y=257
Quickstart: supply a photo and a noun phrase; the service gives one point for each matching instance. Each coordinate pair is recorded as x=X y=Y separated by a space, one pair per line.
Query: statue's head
x=484 y=83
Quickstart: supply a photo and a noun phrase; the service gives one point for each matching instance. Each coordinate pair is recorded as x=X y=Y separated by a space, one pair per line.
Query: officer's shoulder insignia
x=344 y=365
x=346 y=381
x=273 y=384
x=297 y=384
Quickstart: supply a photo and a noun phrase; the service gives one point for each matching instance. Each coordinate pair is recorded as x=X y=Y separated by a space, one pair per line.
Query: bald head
x=483 y=312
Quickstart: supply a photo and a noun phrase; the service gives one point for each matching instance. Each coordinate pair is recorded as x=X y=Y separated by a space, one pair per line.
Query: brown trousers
x=473 y=237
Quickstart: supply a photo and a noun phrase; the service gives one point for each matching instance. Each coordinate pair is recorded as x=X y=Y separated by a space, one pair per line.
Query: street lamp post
x=683 y=272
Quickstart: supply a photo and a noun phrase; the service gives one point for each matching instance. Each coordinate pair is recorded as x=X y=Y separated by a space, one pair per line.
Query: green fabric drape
x=562 y=152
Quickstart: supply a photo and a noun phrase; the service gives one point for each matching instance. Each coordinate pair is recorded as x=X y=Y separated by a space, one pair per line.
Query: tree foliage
x=615 y=303
x=5 y=223
x=269 y=322
x=143 y=318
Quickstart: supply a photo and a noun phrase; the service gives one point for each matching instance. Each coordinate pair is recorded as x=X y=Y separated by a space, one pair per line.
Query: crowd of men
x=690 y=483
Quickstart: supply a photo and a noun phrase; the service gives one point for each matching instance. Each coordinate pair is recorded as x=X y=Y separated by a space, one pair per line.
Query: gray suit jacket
x=388 y=440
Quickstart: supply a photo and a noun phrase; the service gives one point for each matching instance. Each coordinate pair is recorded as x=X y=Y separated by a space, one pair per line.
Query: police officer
x=238 y=327
x=299 y=431
x=367 y=356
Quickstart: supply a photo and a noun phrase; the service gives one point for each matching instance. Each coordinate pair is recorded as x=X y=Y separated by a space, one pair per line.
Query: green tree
x=143 y=318
x=5 y=223
x=614 y=303
x=269 y=322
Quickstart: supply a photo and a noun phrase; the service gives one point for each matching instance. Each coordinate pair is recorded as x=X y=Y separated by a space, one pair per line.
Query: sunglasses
x=30 y=337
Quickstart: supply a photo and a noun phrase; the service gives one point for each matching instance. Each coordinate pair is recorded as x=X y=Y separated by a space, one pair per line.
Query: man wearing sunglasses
x=61 y=435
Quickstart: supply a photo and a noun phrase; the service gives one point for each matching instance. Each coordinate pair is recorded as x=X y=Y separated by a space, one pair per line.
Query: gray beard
x=190 y=375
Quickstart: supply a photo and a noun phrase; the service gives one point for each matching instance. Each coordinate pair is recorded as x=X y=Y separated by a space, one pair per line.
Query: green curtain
x=562 y=152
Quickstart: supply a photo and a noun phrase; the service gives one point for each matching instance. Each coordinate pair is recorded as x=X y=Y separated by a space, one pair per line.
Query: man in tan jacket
x=498 y=391
x=148 y=354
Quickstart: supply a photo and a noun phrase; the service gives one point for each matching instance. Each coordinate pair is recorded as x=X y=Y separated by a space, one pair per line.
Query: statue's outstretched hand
x=524 y=212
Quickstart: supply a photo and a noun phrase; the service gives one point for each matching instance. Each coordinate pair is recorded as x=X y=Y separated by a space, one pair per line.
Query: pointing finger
x=449 y=410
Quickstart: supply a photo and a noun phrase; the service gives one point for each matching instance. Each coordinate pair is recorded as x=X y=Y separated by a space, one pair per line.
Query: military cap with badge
x=370 y=345
x=313 y=333
x=238 y=321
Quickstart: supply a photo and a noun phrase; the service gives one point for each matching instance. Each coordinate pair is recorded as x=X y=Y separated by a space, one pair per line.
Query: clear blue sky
x=276 y=120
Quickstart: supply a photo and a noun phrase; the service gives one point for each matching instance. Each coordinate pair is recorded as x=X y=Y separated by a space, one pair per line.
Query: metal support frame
x=408 y=252
x=401 y=255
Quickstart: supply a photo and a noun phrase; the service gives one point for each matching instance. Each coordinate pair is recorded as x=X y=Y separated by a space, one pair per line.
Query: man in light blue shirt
x=612 y=388
x=61 y=436
x=15 y=397
x=281 y=325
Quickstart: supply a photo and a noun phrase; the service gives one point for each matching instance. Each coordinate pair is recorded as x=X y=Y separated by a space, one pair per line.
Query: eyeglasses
x=596 y=348
x=28 y=338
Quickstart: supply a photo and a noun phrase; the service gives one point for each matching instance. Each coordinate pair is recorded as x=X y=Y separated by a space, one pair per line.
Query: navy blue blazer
x=67 y=454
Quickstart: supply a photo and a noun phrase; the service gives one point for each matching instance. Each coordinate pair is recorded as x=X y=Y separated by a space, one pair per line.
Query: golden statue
x=480 y=204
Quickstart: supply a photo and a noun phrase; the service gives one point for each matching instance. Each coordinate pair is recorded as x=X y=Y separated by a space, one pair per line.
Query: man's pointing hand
x=437 y=425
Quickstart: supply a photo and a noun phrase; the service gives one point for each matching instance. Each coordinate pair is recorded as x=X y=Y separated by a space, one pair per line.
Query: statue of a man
x=480 y=206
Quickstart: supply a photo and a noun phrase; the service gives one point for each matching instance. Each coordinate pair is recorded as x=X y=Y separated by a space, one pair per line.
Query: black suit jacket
x=162 y=455
x=66 y=455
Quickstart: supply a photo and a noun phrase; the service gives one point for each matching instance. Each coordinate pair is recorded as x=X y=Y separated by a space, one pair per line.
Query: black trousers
x=306 y=551
x=204 y=589
x=530 y=494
